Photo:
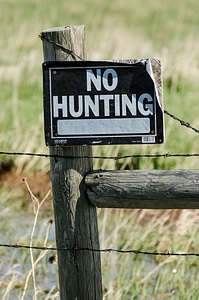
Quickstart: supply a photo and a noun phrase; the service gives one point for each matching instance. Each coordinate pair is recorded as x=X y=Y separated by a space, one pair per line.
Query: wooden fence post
x=75 y=218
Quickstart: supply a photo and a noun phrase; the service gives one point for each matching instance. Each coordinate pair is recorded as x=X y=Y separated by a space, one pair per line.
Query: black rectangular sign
x=101 y=103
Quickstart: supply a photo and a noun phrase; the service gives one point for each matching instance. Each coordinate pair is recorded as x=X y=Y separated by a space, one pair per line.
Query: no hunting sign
x=101 y=103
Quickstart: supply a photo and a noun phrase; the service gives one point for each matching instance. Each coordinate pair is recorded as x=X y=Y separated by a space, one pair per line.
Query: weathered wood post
x=147 y=189
x=75 y=218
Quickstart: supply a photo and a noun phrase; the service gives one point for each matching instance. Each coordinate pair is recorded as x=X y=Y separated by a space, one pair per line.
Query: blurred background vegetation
x=114 y=30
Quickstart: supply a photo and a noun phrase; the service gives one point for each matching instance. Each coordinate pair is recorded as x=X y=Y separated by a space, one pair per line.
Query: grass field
x=114 y=30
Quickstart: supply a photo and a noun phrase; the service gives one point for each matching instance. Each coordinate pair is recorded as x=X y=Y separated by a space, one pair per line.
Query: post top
x=62 y=28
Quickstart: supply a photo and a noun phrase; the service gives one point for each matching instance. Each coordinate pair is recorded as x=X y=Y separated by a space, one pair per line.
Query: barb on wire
x=108 y=250
x=64 y=49
x=182 y=122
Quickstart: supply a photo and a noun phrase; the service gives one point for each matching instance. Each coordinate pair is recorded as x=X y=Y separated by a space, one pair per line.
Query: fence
x=109 y=250
x=91 y=250
x=76 y=221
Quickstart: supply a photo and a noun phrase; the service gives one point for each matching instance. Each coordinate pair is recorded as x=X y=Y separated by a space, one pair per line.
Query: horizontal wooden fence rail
x=156 y=189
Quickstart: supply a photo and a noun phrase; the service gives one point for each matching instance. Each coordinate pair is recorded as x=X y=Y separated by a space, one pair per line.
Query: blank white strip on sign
x=103 y=126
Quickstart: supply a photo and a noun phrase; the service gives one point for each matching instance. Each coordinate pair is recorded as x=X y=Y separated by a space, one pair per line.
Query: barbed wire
x=182 y=122
x=74 y=56
x=109 y=250
x=164 y=155
x=64 y=49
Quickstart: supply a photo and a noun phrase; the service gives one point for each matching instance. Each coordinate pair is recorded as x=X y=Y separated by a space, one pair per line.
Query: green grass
x=139 y=276
x=114 y=30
